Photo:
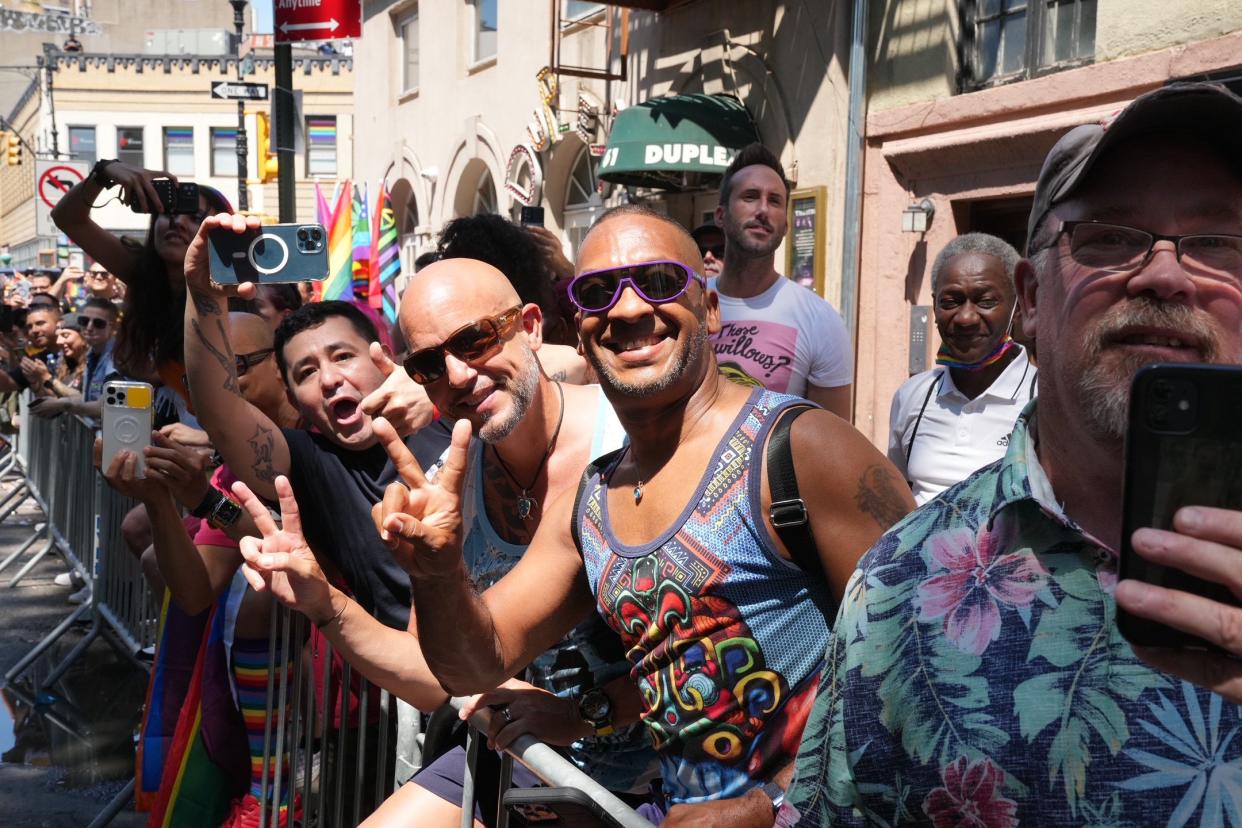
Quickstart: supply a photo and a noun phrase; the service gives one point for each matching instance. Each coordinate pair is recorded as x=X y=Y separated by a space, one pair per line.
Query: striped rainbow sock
x=250 y=670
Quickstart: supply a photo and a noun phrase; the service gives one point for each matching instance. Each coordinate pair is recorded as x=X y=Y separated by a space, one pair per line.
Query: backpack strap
x=593 y=468
x=918 y=420
x=787 y=512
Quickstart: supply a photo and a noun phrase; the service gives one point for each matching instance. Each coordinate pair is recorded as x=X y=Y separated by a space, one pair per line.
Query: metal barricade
x=339 y=733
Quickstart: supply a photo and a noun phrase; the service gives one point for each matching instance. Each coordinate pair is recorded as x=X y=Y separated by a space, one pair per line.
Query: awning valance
x=675 y=142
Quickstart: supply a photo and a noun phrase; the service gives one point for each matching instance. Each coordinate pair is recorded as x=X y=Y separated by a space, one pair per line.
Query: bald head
x=248 y=332
x=631 y=234
x=452 y=289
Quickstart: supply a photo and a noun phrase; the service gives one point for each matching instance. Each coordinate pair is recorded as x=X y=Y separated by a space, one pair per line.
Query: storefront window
x=129 y=148
x=82 y=144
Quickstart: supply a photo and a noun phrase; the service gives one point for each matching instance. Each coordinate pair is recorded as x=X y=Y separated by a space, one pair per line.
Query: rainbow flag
x=338 y=223
x=361 y=269
x=385 y=258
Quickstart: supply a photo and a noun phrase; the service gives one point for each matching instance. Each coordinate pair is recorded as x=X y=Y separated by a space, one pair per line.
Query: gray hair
x=982 y=243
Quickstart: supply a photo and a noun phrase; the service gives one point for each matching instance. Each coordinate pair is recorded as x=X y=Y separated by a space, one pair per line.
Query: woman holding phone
x=150 y=334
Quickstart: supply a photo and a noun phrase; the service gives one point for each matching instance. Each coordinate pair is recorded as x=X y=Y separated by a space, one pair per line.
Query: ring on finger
x=504 y=711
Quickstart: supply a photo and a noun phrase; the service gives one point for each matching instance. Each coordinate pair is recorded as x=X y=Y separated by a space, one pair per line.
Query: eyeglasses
x=1119 y=249
x=247 y=361
x=469 y=343
x=97 y=322
x=656 y=282
x=717 y=250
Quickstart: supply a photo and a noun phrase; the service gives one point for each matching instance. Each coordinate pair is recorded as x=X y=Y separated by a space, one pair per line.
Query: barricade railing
x=344 y=751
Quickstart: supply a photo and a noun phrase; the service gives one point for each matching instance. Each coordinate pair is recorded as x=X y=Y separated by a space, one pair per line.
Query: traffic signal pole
x=284 y=130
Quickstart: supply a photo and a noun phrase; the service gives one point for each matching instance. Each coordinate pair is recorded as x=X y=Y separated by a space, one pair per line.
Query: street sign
x=53 y=180
x=298 y=20
x=238 y=91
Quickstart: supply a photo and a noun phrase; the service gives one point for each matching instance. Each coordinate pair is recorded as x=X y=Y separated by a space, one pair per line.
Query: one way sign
x=238 y=91
x=297 y=20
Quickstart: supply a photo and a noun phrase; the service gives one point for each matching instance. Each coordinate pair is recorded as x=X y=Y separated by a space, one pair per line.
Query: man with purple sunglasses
x=670 y=539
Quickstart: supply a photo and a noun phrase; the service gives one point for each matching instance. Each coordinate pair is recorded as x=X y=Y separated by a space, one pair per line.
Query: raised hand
x=399 y=400
x=198 y=262
x=136 y=187
x=281 y=561
x=181 y=468
x=421 y=525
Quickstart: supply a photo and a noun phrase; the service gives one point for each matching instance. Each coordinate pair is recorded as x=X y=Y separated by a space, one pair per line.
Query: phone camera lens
x=303 y=235
x=316 y=235
x=1161 y=391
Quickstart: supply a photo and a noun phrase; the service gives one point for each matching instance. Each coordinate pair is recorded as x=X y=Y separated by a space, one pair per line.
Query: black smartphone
x=1183 y=448
x=178 y=198
x=271 y=254
x=532 y=217
x=558 y=807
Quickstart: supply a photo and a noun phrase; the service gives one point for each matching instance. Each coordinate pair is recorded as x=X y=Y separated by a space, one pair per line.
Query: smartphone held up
x=1183 y=448
x=126 y=422
x=271 y=254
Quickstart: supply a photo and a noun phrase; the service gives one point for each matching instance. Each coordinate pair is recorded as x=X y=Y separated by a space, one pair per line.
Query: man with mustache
x=978 y=676
x=773 y=332
x=671 y=539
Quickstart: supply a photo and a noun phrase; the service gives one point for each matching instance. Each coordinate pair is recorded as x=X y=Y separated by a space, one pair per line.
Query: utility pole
x=284 y=131
x=239 y=23
x=48 y=61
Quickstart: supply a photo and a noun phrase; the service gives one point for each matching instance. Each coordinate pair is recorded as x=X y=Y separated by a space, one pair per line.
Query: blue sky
x=263 y=16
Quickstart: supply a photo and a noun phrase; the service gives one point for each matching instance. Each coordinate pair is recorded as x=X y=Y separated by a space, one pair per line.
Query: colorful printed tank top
x=724 y=634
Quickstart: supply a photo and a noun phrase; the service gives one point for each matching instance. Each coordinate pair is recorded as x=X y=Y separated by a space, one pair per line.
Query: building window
x=582 y=200
x=82 y=144
x=179 y=150
x=321 y=145
x=485 y=195
x=484 y=30
x=1017 y=39
x=578 y=9
x=129 y=146
x=224 y=152
x=409 y=51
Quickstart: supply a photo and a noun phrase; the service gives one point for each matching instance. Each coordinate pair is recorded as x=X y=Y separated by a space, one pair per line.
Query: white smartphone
x=127 y=421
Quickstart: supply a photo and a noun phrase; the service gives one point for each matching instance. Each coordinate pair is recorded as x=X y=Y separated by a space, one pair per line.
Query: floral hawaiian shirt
x=977 y=678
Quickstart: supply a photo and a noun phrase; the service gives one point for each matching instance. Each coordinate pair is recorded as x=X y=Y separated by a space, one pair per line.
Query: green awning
x=676 y=142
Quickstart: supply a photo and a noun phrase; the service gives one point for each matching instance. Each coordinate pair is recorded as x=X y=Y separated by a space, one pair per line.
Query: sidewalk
x=50 y=777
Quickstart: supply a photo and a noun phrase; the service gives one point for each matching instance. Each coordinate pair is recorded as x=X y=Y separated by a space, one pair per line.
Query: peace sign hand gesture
x=421 y=525
x=281 y=561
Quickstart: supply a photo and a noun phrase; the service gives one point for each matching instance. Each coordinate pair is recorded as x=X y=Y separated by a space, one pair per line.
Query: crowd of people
x=619 y=503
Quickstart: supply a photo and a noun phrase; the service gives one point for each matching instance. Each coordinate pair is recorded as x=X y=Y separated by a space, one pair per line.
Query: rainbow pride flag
x=339 y=225
x=385 y=259
x=361 y=245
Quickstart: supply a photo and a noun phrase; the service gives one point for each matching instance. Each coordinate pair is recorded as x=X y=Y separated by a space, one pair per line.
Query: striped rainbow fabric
x=361 y=269
x=385 y=258
x=339 y=225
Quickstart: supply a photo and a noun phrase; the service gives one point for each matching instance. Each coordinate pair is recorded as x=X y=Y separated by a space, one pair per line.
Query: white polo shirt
x=956 y=436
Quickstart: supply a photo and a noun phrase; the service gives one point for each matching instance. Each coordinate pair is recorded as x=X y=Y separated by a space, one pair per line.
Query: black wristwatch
x=775 y=793
x=208 y=503
x=99 y=176
x=595 y=708
x=225 y=514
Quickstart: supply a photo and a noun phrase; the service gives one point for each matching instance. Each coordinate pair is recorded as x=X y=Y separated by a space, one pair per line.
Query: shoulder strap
x=788 y=511
x=931 y=389
x=593 y=468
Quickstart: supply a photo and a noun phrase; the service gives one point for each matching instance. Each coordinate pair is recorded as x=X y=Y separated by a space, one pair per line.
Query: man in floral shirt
x=977 y=677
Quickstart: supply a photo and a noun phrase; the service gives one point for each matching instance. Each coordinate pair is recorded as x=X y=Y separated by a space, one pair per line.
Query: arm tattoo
x=877 y=497
x=559 y=376
x=226 y=359
x=205 y=302
x=261 y=446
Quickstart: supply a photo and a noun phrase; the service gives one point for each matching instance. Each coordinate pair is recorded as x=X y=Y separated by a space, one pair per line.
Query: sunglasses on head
x=469 y=343
x=247 y=361
x=656 y=282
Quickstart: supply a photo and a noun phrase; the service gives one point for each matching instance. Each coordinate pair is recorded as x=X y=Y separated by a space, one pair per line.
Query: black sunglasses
x=93 y=322
x=469 y=343
x=716 y=250
x=656 y=282
x=247 y=361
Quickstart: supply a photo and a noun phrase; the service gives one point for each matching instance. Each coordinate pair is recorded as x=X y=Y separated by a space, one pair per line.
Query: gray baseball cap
x=1205 y=109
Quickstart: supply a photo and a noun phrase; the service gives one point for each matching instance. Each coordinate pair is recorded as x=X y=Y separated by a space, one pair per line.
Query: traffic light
x=268 y=166
x=12 y=149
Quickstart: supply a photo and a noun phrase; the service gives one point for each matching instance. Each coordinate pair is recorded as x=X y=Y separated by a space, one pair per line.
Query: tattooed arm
x=251 y=444
x=853 y=494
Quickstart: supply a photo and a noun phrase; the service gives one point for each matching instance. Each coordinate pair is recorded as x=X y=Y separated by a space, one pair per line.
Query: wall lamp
x=918 y=217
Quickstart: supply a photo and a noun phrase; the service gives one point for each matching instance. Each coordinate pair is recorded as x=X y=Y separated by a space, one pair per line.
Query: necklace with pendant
x=638 y=492
x=525 y=503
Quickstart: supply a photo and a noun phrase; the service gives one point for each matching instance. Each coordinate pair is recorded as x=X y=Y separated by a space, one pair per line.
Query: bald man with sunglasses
x=669 y=539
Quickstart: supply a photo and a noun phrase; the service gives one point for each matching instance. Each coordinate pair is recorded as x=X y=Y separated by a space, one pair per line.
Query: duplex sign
x=297 y=20
x=238 y=91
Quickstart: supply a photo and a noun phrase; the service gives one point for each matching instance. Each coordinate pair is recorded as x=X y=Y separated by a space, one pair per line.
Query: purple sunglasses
x=656 y=282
